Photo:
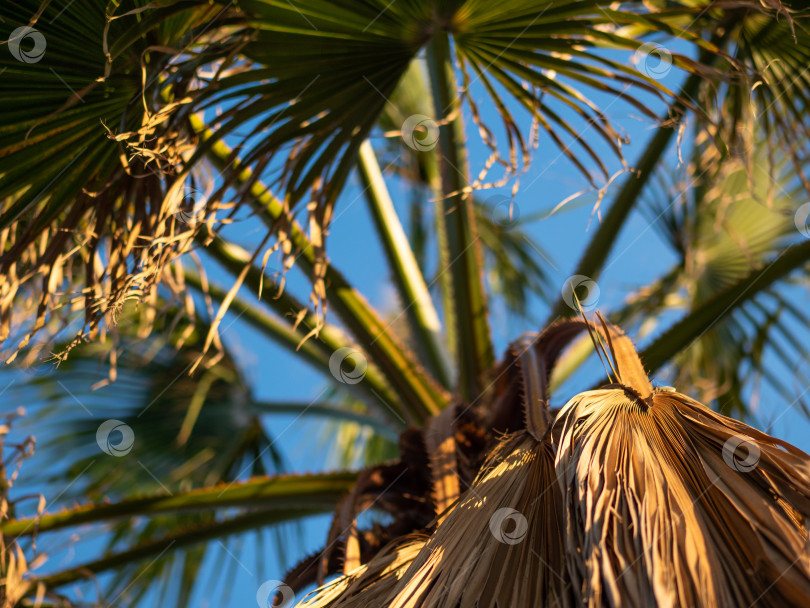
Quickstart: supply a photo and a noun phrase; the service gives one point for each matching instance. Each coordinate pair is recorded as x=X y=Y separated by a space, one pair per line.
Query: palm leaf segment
x=773 y=52
x=328 y=70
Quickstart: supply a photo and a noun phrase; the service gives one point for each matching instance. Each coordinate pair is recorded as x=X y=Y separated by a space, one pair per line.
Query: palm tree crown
x=169 y=169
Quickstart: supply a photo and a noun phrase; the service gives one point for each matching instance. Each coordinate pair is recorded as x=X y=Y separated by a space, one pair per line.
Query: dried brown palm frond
x=662 y=510
x=501 y=545
x=668 y=503
x=370 y=583
x=83 y=269
x=480 y=551
x=522 y=385
x=633 y=496
x=476 y=556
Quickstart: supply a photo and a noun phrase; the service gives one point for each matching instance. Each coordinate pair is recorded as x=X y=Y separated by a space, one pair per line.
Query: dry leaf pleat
x=672 y=504
x=501 y=545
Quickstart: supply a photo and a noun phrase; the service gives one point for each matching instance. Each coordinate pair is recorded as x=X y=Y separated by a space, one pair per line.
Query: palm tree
x=158 y=158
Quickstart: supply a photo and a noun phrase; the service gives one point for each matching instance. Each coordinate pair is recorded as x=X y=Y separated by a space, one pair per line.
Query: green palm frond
x=751 y=84
x=699 y=322
x=544 y=57
x=88 y=158
x=724 y=223
x=177 y=433
x=340 y=63
x=327 y=70
x=772 y=52
x=187 y=430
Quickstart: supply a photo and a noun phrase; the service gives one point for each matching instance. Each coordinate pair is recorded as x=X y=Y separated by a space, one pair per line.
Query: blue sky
x=638 y=257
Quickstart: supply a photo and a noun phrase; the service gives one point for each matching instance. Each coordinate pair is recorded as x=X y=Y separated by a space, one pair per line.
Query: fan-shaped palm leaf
x=88 y=157
x=669 y=509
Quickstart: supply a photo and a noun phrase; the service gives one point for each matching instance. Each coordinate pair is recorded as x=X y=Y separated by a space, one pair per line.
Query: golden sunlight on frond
x=674 y=505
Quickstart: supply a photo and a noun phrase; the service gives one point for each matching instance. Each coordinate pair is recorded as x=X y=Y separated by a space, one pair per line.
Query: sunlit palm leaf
x=670 y=503
x=773 y=51
x=78 y=205
x=371 y=583
x=478 y=557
